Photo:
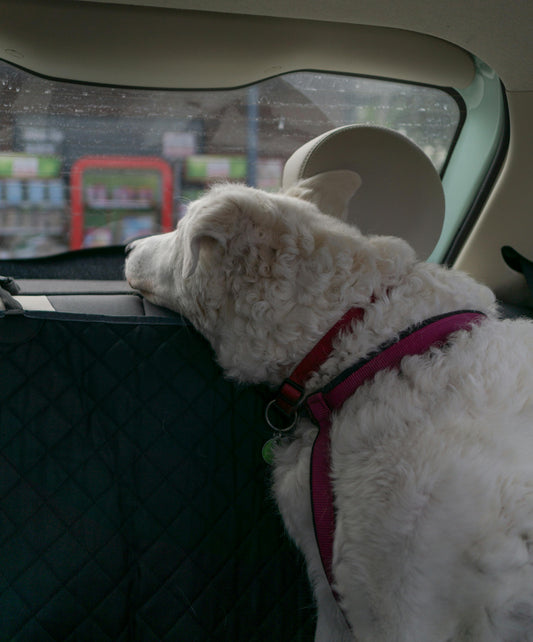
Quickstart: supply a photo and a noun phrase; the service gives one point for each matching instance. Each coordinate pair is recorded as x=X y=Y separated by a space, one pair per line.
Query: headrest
x=401 y=192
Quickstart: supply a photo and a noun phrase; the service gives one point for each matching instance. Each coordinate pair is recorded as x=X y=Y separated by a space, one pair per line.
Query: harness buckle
x=290 y=396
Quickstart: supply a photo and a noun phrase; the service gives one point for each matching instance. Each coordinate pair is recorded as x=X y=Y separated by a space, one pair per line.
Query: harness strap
x=414 y=341
x=291 y=393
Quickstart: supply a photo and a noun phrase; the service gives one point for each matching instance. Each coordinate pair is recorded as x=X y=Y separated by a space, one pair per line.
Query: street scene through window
x=91 y=166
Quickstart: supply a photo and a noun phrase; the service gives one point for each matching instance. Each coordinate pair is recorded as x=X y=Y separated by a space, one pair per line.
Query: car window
x=86 y=166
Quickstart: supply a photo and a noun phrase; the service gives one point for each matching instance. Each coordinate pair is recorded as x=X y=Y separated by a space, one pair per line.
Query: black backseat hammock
x=134 y=501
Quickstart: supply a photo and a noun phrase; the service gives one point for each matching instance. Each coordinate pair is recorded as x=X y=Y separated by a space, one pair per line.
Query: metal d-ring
x=273 y=426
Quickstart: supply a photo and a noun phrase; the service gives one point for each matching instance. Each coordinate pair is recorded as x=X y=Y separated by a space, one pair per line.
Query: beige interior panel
x=507 y=218
x=497 y=31
x=143 y=46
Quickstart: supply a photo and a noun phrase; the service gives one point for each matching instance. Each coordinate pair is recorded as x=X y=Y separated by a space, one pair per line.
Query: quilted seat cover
x=134 y=502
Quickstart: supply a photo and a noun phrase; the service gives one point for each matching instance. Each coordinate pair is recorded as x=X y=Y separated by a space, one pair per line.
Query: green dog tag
x=268 y=450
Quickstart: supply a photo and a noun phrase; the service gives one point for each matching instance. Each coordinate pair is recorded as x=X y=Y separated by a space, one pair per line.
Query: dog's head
x=259 y=274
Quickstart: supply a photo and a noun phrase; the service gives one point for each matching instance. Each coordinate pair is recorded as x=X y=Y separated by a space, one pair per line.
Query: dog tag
x=268 y=450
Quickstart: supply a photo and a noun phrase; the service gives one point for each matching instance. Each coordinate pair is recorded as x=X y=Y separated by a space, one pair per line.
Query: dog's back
x=434 y=493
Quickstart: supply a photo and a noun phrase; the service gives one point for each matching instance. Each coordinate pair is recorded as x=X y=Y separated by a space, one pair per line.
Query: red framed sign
x=117 y=198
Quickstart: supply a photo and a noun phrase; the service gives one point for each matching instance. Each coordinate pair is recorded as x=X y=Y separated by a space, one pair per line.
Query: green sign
x=209 y=168
x=26 y=166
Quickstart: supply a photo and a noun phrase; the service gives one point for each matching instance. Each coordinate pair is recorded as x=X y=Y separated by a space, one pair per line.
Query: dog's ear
x=212 y=224
x=192 y=252
x=329 y=191
x=207 y=227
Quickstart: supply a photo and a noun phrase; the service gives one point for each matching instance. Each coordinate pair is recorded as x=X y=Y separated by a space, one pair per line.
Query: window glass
x=85 y=166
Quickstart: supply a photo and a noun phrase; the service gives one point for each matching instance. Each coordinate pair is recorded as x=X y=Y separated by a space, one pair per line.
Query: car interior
x=134 y=500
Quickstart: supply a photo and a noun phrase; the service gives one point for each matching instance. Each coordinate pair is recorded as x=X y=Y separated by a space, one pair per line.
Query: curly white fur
x=432 y=465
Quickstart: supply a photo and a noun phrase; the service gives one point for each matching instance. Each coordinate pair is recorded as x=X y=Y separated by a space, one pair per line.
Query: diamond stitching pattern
x=133 y=499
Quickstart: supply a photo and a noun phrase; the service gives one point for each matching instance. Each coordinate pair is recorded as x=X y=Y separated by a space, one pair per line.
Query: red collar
x=291 y=396
x=282 y=412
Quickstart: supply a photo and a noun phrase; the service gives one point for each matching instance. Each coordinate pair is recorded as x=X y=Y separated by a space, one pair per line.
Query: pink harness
x=321 y=404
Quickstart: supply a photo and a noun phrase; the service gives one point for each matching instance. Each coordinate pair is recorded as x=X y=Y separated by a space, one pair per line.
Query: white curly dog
x=431 y=462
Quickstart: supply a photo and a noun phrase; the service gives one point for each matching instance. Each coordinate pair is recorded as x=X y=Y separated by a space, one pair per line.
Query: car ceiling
x=129 y=40
x=497 y=31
